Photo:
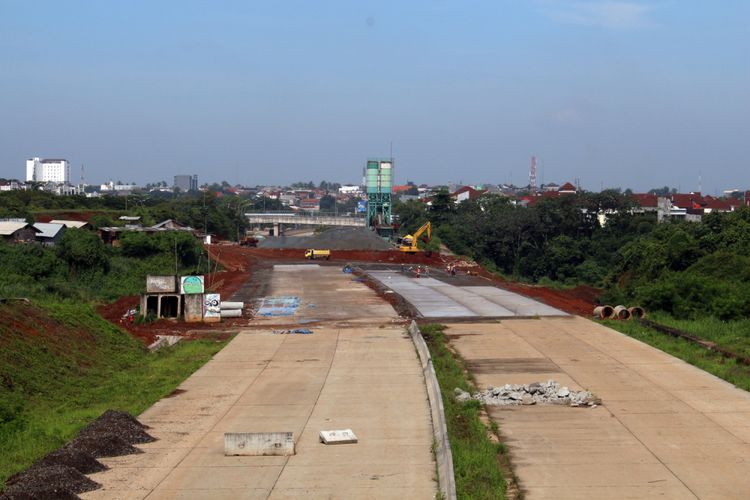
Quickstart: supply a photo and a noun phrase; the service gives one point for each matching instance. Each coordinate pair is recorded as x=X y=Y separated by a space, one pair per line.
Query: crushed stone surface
x=549 y=392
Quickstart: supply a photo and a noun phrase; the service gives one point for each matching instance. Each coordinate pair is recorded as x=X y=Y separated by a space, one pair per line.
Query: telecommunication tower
x=532 y=176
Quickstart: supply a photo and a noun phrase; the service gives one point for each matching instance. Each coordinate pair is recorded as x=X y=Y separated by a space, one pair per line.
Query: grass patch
x=733 y=335
x=476 y=459
x=62 y=365
x=727 y=369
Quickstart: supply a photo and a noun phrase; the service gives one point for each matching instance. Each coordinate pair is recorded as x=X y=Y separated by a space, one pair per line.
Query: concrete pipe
x=637 y=312
x=621 y=312
x=603 y=312
x=232 y=305
x=231 y=313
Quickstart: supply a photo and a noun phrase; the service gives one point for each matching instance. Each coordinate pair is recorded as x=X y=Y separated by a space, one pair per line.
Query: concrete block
x=259 y=443
x=211 y=307
x=344 y=436
x=194 y=308
x=161 y=284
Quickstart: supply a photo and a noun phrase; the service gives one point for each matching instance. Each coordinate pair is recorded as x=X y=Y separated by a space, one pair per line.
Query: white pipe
x=637 y=312
x=232 y=305
x=621 y=312
x=231 y=313
x=603 y=312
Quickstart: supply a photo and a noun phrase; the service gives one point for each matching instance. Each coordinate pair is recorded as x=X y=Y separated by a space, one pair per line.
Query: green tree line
x=685 y=269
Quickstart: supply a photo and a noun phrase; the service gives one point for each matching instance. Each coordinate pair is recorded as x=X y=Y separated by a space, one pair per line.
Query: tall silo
x=379 y=183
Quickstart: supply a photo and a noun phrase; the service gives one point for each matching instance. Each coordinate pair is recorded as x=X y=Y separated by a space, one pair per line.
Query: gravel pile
x=339 y=238
x=103 y=444
x=120 y=423
x=80 y=461
x=60 y=474
x=549 y=392
x=57 y=481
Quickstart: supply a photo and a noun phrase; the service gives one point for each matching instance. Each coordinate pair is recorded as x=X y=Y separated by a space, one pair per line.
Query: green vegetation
x=212 y=212
x=62 y=365
x=687 y=269
x=477 y=461
x=731 y=335
x=729 y=370
x=81 y=267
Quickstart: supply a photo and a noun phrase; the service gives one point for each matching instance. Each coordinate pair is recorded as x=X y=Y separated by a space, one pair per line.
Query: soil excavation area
x=357 y=370
x=665 y=429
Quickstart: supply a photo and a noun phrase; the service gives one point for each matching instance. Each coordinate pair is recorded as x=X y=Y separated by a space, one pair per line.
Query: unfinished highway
x=358 y=370
x=664 y=429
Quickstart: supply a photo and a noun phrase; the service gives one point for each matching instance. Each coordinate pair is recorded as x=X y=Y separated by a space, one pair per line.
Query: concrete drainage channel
x=443 y=455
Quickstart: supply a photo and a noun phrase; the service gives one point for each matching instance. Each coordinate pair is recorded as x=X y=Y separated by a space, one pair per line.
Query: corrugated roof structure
x=9 y=227
x=69 y=223
x=48 y=229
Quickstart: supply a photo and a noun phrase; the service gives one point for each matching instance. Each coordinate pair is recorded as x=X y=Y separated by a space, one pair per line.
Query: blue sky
x=630 y=93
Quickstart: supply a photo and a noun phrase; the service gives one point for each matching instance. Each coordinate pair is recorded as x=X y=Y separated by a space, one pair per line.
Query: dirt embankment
x=238 y=262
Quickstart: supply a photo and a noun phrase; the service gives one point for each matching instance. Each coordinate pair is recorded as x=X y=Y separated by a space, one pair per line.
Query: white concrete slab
x=438 y=299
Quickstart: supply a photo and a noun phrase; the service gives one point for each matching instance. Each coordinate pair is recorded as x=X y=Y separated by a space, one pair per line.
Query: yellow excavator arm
x=409 y=242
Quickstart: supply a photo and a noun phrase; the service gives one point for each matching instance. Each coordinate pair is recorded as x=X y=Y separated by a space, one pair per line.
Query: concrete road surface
x=365 y=377
x=438 y=299
x=665 y=430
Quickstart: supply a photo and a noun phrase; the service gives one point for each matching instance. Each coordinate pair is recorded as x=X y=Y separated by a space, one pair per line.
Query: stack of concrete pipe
x=232 y=309
x=619 y=312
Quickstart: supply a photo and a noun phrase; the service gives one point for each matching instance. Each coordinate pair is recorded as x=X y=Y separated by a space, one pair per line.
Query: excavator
x=409 y=242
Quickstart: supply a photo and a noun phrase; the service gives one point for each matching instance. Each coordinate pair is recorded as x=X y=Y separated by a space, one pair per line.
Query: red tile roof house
x=690 y=200
x=567 y=188
x=647 y=201
x=311 y=204
x=467 y=193
x=717 y=205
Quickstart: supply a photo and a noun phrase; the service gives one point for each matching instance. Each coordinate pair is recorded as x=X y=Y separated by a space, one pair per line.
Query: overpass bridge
x=304 y=219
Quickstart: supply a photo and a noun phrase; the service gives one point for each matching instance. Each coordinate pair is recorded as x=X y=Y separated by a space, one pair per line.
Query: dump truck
x=409 y=242
x=312 y=254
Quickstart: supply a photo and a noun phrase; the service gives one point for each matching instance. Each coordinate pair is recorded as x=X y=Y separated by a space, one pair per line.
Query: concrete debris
x=549 y=392
x=303 y=331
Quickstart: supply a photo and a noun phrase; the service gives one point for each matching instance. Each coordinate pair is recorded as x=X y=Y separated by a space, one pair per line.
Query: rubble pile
x=549 y=392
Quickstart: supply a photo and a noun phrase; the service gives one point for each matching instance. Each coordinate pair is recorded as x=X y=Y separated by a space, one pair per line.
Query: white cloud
x=603 y=13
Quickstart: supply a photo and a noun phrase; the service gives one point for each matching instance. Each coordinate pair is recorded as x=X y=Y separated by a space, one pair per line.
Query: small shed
x=17 y=232
x=77 y=224
x=49 y=233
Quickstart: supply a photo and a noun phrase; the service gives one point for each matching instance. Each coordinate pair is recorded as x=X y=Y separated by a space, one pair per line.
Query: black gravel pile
x=102 y=444
x=56 y=481
x=80 y=461
x=119 y=423
x=60 y=474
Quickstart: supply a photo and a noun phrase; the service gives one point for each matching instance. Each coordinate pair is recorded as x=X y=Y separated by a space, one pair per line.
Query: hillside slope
x=62 y=365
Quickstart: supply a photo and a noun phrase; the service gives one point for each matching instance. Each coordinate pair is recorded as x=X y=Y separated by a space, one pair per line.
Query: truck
x=312 y=254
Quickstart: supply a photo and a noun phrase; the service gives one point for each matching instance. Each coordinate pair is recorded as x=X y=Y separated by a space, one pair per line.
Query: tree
x=327 y=202
x=82 y=250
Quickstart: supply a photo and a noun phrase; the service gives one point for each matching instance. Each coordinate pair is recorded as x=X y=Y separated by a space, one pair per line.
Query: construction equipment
x=409 y=242
x=313 y=254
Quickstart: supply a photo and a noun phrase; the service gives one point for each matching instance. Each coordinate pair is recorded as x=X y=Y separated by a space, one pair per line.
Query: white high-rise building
x=47 y=170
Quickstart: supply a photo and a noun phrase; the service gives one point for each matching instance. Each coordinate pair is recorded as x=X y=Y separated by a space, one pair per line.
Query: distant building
x=49 y=233
x=17 y=231
x=186 y=183
x=48 y=170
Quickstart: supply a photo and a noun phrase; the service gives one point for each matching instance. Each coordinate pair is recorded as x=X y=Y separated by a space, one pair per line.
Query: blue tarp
x=278 y=306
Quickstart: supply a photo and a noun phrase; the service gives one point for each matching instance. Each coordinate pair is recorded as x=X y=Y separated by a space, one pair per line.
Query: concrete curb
x=443 y=455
